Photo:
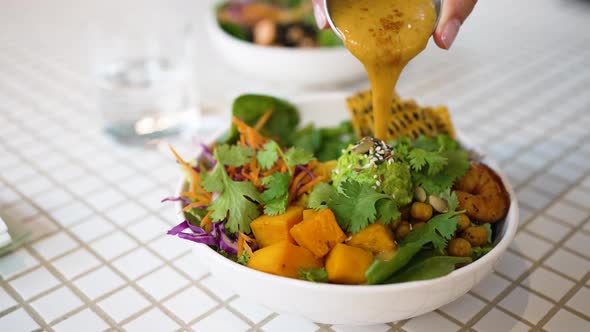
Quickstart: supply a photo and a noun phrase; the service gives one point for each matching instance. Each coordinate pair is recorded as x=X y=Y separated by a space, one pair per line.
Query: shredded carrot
x=206 y=222
x=195 y=204
x=263 y=119
x=195 y=177
x=274 y=169
x=300 y=177
x=243 y=241
x=251 y=137
x=307 y=187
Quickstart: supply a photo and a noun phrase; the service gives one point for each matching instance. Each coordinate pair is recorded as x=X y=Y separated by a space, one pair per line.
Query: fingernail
x=320 y=17
x=450 y=32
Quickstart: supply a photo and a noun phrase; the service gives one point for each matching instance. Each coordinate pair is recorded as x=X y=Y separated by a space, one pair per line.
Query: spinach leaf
x=281 y=124
x=235 y=30
x=325 y=143
x=427 y=265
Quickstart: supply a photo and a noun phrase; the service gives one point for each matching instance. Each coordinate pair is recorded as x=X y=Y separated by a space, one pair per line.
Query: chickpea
x=459 y=247
x=402 y=230
x=265 y=32
x=476 y=235
x=421 y=211
x=463 y=223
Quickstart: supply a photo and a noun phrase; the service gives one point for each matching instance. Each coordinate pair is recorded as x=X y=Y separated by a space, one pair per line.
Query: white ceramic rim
x=490 y=257
x=213 y=23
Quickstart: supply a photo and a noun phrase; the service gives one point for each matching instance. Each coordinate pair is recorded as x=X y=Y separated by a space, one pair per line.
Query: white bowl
x=297 y=66
x=355 y=305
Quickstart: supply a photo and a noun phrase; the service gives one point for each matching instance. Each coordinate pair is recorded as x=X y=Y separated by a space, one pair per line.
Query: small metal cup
x=437 y=7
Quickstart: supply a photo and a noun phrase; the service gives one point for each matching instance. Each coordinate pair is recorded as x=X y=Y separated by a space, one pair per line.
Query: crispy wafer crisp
x=407 y=118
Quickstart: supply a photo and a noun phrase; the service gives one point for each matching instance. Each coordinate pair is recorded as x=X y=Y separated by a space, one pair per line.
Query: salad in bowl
x=278 y=41
x=311 y=220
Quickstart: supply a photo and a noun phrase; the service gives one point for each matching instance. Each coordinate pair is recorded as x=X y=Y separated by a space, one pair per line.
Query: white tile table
x=517 y=81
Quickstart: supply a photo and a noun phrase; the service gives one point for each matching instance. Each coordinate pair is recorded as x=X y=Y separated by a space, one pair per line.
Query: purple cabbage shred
x=216 y=238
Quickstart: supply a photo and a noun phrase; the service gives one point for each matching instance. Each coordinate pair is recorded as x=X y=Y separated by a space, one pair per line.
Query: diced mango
x=347 y=265
x=375 y=238
x=309 y=213
x=269 y=230
x=318 y=234
x=283 y=259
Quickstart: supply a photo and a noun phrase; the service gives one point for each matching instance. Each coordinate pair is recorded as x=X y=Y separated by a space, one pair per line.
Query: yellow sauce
x=384 y=35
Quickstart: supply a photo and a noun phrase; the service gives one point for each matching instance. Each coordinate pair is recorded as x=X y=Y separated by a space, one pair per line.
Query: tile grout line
x=131 y=282
x=517 y=282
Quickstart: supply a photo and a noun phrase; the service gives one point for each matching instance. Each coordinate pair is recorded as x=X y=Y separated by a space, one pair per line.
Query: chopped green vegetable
x=355 y=206
x=488 y=228
x=436 y=162
x=315 y=275
x=234 y=155
x=427 y=266
x=276 y=195
x=292 y=157
x=296 y=156
x=478 y=252
x=320 y=195
x=437 y=231
x=244 y=258
x=236 y=198
x=235 y=30
x=250 y=108
x=269 y=155
x=325 y=143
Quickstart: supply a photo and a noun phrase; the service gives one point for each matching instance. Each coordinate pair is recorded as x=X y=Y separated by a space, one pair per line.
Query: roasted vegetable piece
x=283 y=259
x=463 y=223
x=476 y=235
x=309 y=213
x=459 y=248
x=421 y=211
x=325 y=169
x=347 y=265
x=318 y=234
x=375 y=238
x=269 y=230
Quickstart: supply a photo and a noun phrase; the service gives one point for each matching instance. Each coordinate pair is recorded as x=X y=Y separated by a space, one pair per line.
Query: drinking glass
x=142 y=54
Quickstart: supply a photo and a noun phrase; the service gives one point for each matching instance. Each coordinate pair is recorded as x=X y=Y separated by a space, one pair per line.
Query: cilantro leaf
x=244 y=257
x=458 y=164
x=419 y=158
x=320 y=195
x=436 y=231
x=234 y=155
x=236 y=200
x=478 y=252
x=276 y=195
x=212 y=181
x=354 y=206
x=296 y=156
x=315 y=275
x=269 y=155
x=388 y=212
x=439 y=229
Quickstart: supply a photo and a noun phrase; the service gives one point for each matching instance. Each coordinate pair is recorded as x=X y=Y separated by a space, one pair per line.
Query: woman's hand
x=454 y=13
